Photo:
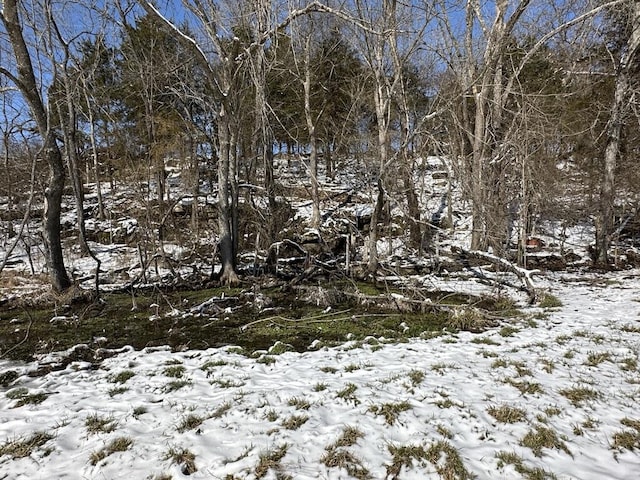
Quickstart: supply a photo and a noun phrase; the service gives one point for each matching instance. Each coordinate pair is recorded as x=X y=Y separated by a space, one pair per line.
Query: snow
x=243 y=401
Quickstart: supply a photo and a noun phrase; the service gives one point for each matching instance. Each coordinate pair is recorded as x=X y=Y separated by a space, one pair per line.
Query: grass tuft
x=23 y=397
x=122 y=377
x=337 y=455
x=549 y=301
x=390 y=411
x=578 y=395
x=294 y=422
x=543 y=437
x=507 y=414
x=190 y=422
x=20 y=448
x=528 y=473
x=119 y=444
x=183 y=457
x=97 y=424
x=447 y=461
x=270 y=460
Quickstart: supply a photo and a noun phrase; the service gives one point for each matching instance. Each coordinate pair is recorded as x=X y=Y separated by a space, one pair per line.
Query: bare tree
x=26 y=81
x=619 y=109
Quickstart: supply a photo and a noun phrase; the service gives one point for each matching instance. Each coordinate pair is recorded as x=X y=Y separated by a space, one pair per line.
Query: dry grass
x=183 y=457
x=270 y=460
x=507 y=414
x=119 y=444
x=578 y=395
x=543 y=437
x=390 y=411
x=20 y=448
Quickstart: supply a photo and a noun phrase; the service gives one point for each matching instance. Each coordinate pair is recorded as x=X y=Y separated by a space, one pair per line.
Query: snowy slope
x=341 y=412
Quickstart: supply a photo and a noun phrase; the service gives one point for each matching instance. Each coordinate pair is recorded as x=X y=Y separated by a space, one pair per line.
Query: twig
x=315 y=318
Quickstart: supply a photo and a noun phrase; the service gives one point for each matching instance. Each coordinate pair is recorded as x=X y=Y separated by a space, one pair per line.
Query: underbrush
x=254 y=319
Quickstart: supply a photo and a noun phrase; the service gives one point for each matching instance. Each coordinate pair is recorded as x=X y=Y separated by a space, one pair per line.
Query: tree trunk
x=228 y=274
x=53 y=206
x=313 y=142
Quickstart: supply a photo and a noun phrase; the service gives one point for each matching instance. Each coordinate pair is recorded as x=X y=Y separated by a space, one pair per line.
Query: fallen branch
x=524 y=275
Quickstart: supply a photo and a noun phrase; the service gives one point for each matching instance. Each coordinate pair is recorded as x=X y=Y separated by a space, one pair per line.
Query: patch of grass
x=176 y=385
x=528 y=473
x=119 y=444
x=468 y=318
x=596 y=358
x=226 y=383
x=444 y=431
x=485 y=341
x=630 y=422
x=117 y=391
x=499 y=363
x=521 y=369
x=174 y=371
x=211 y=364
x=416 y=377
x=122 y=377
x=221 y=410
x=137 y=411
x=549 y=301
x=184 y=458
x=630 y=328
x=294 y=422
x=626 y=440
x=548 y=365
x=578 y=395
x=390 y=411
x=508 y=331
x=279 y=348
x=271 y=415
x=507 y=414
x=328 y=369
x=270 y=460
x=8 y=377
x=299 y=403
x=190 y=422
x=20 y=448
x=337 y=455
x=320 y=387
x=348 y=394
x=447 y=461
x=95 y=423
x=629 y=364
x=543 y=437
x=266 y=360
x=343 y=459
x=23 y=397
x=350 y=436
x=352 y=368
x=441 y=367
x=406 y=456
x=526 y=387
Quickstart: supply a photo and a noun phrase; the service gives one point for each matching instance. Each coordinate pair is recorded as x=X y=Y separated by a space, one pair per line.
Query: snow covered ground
x=552 y=395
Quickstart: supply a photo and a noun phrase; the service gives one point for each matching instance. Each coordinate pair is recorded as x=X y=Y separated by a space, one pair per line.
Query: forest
x=190 y=111
x=328 y=239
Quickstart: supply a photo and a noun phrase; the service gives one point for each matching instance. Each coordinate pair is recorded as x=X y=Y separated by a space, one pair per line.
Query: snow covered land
x=552 y=394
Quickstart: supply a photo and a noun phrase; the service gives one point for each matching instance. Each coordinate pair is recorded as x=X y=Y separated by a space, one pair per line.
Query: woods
x=530 y=105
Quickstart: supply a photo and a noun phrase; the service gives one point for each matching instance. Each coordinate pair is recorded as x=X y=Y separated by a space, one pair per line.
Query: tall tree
x=626 y=72
x=26 y=80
